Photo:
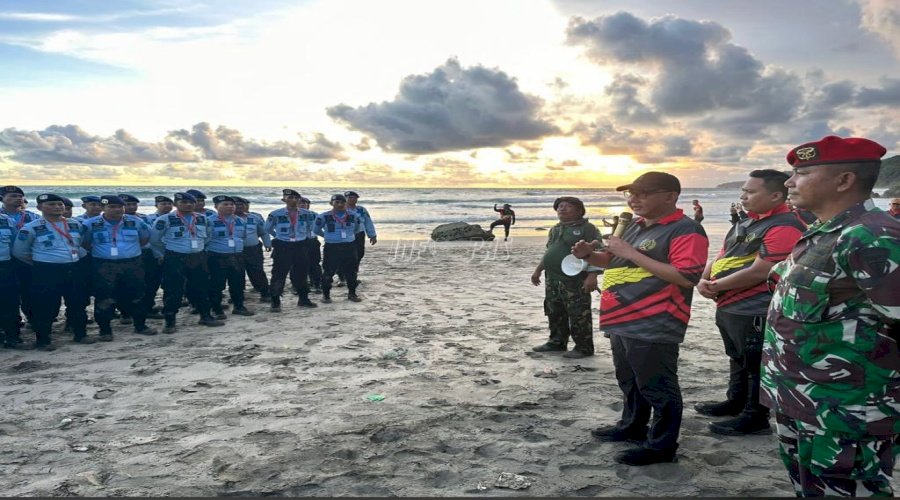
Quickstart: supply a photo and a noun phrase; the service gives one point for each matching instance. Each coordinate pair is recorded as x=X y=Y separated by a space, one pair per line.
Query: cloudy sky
x=562 y=93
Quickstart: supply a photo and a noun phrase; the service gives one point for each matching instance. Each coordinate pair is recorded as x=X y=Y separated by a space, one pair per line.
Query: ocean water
x=411 y=213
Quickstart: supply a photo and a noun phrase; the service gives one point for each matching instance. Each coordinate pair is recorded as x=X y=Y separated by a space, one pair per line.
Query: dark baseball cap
x=653 y=181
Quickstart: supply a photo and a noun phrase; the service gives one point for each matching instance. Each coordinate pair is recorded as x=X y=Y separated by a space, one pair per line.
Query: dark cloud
x=644 y=146
x=700 y=73
x=626 y=106
x=71 y=144
x=452 y=108
x=887 y=95
x=677 y=146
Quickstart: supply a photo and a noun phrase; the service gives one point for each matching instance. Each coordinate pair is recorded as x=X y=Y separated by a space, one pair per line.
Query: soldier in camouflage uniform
x=567 y=299
x=831 y=367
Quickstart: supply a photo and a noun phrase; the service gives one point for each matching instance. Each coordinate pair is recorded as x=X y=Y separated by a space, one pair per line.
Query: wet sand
x=283 y=403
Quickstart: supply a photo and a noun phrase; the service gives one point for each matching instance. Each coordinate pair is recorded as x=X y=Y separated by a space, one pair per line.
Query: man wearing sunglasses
x=645 y=305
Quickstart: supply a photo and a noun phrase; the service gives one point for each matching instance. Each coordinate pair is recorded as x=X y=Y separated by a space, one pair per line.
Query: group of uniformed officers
x=122 y=258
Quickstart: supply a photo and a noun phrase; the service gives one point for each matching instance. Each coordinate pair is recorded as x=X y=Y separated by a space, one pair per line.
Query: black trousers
x=314 y=253
x=185 y=271
x=225 y=268
x=50 y=284
x=502 y=222
x=743 y=339
x=153 y=272
x=648 y=377
x=360 y=243
x=9 y=301
x=339 y=258
x=253 y=266
x=118 y=283
x=289 y=257
x=23 y=273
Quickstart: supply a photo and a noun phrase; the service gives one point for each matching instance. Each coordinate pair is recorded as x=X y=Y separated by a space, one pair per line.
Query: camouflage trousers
x=568 y=310
x=823 y=463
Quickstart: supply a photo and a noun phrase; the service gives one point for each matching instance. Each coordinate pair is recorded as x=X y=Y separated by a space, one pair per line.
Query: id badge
x=195 y=243
x=293 y=238
x=114 y=251
x=343 y=235
x=74 y=255
x=231 y=243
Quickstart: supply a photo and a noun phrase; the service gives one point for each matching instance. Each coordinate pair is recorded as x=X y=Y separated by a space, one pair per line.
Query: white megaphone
x=573 y=266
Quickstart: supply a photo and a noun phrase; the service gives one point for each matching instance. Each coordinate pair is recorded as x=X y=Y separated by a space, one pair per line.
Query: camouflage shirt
x=830 y=356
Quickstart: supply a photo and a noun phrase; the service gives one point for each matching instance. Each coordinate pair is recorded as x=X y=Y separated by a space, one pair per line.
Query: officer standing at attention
x=338 y=227
x=366 y=228
x=645 y=306
x=52 y=245
x=314 y=253
x=14 y=208
x=178 y=239
x=253 y=251
x=567 y=299
x=91 y=206
x=200 y=205
x=736 y=280
x=152 y=269
x=292 y=228
x=131 y=206
x=9 y=306
x=225 y=257
x=831 y=367
x=115 y=239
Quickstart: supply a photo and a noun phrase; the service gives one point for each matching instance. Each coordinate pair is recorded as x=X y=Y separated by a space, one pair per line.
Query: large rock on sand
x=456 y=231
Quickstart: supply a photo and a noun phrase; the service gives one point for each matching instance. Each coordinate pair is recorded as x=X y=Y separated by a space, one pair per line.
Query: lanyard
x=190 y=227
x=293 y=216
x=115 y=230
x=229 y=225
x=21 y=221
x=64 y=232
x=342 y=220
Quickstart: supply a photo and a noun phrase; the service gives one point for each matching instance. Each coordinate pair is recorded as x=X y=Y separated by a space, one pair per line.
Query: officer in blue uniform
x=91 y=206
x=148 y=259
x=153 y=271
x=314 y=253
x=292 y=228
x=14 y=208
x=338 y=227
x=200 y=205
x=9 y=305
x=67 y=213
x=179 y=239
x=253 y=251
x=52 y=245
x=225 y=257
x=366 y=227
x=117 y=275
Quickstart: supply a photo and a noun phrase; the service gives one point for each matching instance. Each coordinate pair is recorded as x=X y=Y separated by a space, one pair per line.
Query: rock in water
x=460 y=231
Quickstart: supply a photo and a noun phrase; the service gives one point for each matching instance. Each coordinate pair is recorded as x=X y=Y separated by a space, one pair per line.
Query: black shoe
x=102 y=337
x=45 y=347
x=88 y=340
x=729 y=408
x=144 y=330
x=646 y=456
x=305 y=302
x=576 y=354
x=326 y=299
x=614 y=434
x=170 y=324
x=354 y=298
x=742 y=425
x=549 y=347
x=155 y=315
x=276 y=304
x=220 y=315
x=242 y=311
x=210 y=321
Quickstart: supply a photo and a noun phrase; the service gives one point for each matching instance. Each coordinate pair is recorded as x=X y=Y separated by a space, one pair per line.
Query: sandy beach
x=282 y=404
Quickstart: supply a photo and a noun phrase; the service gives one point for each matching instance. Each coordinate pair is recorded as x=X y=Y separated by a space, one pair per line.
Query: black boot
x=276 y=304
x=728 y=408
x=207 y=320
x=353 y=297
x=743 y=425
x=170 y=323
x=219 y=314
x=304 y=301
x=141 y=328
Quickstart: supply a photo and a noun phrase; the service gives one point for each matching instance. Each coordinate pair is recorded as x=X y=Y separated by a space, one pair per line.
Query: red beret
x=834 y=149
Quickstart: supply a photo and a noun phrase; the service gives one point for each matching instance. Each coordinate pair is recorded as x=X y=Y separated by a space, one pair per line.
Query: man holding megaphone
x=645 y=305
x=567 y=298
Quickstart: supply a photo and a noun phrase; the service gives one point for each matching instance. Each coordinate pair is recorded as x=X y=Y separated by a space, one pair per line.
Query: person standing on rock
x=567 y=299
x=507 y=218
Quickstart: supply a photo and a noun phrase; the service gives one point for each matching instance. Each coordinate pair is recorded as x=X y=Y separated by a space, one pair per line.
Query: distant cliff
x=730 y=185
x=890 y=176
